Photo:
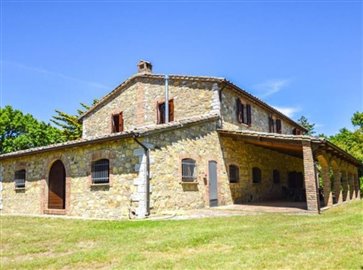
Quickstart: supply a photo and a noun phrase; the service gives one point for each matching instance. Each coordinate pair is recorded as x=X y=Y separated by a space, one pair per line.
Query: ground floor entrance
x=57 y=186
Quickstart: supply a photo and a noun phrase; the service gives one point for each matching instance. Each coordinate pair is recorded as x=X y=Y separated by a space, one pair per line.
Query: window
x=117 y=122
x=241 y=109
x=233 y=174
x=249 y=114
x=101 y=171
x=20 y=179
x=278 y=126
x=271 y=124
x=296 y=131
x=256 y=175
x=161 y=112
x=276 y=176
x=189 y=170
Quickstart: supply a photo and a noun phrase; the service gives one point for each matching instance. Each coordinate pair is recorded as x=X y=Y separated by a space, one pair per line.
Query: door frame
x=45 y=193
x=217 y=183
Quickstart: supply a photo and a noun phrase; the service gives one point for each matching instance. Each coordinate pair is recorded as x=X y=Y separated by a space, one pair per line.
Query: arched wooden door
x=57 y=186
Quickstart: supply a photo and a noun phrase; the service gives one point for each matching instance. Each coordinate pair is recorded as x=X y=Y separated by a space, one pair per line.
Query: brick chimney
x=144 y=67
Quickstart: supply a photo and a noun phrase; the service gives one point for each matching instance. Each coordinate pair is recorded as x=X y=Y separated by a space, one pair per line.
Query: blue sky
x=303 y=57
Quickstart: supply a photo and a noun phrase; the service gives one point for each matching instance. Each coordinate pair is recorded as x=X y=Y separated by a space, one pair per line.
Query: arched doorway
x=57 y=186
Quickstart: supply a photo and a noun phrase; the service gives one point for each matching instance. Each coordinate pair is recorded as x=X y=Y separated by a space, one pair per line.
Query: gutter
x=147 y=153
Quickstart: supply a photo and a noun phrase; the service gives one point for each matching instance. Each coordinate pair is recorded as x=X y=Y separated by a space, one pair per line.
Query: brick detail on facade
x=310 y=178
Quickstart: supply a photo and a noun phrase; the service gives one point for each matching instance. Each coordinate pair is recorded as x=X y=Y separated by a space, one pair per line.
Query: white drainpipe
x=166 y=99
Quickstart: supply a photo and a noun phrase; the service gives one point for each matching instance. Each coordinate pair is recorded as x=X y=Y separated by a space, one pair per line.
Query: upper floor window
x=274 y=125
x=189 y=170
x=243 y=112
x=101 y=171
x=161 y=112
x=296 y=131
x=20 y=179
x=276 y=176
x=117 y=122
x=233 y=174
x=256 y=175
x=278 y=126
x=271 y=124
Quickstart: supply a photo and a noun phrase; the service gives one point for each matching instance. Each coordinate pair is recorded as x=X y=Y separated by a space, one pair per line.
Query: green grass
x=333 y=240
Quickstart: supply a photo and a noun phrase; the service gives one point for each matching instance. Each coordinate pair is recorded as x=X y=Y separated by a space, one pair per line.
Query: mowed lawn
x=333 y=240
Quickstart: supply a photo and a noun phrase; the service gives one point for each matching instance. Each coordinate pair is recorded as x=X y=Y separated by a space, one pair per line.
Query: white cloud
x=288 y=111
x=271 y=87
x=56 y=74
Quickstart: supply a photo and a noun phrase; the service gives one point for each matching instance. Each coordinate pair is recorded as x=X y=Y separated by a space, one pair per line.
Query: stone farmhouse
x=158 y=144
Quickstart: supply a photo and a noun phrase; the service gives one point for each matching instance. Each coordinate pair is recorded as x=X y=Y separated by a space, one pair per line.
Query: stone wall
x=259 y=114
x=246 y=156
x=139 y=104
x=83 y=199
x=126 y=191
x=200 y=143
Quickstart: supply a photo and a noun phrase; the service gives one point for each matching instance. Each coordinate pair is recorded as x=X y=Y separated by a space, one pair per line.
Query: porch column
x=328 y=199
x=337 y=186
x=357 y=187
x=312 y=199
x=345 y=187
x=350 y=186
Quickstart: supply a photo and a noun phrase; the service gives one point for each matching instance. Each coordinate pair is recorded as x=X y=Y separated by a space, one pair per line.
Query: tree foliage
x=69 y=124
x=306 y=124
x=351 y=141
x=20 y=131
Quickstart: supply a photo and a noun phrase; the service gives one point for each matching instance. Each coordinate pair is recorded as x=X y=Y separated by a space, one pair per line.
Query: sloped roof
x=322 y=142
x=221 y=80
x=138 y=132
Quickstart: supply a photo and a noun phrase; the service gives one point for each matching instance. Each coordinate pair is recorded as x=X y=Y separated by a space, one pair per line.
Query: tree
x=357 y=120
x=69 y=124
x=352 y=141
x=305 y=123
x=20 y=131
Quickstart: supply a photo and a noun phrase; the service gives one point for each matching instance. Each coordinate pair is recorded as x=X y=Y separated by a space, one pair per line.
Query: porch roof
x=289 y=144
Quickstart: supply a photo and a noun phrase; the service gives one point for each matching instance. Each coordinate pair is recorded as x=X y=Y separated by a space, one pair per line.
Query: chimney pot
x=144 y=67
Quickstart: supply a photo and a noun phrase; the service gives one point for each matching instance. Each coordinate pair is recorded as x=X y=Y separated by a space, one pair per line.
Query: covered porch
x=268 y=170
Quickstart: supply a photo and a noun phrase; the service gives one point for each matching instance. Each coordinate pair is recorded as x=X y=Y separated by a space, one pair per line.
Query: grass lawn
x=333 y=240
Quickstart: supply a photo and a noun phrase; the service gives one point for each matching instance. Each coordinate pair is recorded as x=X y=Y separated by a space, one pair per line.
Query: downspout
x=224 y=84
x=147 y=154
x=166 y=99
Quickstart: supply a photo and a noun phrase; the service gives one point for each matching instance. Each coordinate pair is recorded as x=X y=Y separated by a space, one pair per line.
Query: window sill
x=100 y=185
x=19 y=189
x=189 y=183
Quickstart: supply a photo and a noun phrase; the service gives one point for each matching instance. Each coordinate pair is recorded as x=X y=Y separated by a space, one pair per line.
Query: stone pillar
x=328 y=199
x=312 y=198
x=344 y=187
x=337 y=186
x=357 y=187
x=350 y=187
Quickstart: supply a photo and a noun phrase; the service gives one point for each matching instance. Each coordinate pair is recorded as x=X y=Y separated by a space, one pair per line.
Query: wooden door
x=213 y=188
x=57 y=186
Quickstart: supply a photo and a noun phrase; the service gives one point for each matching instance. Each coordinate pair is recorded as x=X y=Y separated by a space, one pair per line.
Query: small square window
x=233 y=174
x=101 y=171
x=20 y=179
x=189 y=170
x=256 y=175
